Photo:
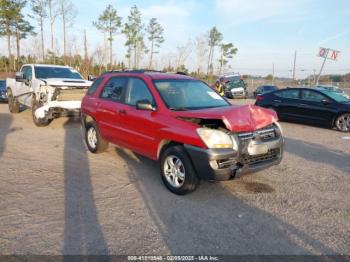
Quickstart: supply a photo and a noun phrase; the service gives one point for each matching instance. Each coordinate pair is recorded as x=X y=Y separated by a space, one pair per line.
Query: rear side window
x=94 y=86
x=114 y=89
x=291 y=94
x=313 y=96
x=137 y=90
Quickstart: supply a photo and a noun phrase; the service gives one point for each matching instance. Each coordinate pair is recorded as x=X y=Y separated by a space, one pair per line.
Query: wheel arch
x=338 y=115
x=164 y=144
x=85 y=119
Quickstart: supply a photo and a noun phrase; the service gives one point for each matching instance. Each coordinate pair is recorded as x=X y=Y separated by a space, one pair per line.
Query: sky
x=266 y=32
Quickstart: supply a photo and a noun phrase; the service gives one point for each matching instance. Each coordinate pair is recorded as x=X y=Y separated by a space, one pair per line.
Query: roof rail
x=137 y=71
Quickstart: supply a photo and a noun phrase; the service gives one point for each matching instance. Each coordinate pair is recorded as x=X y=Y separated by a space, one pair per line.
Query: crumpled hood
x=236 y=118
x=67 y=82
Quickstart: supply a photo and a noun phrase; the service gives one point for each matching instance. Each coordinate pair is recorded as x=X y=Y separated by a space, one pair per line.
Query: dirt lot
x=56 y=198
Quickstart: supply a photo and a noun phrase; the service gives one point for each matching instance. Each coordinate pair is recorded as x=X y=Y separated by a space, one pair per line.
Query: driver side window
x=27 y=73
x=137 y=91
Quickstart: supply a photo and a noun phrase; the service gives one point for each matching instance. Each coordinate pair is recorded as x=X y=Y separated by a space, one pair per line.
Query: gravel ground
x=57 y=198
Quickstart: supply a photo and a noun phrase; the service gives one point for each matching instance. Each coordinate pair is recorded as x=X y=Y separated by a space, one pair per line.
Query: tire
x=39 y=122
x=94 y=141
x=342 y=122
x=177 y=171
x=13 y=103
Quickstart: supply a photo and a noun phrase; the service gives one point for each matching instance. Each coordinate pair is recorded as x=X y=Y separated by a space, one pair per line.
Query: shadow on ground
x=5 y=124
x=319 y=154
x=82 y=231
x=213 y=220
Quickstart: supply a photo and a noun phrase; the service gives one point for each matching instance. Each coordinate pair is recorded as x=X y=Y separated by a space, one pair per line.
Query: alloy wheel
x=174 y=171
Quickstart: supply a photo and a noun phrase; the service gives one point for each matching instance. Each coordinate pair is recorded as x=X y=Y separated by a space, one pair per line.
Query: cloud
x=334 y=37
x=245 y=11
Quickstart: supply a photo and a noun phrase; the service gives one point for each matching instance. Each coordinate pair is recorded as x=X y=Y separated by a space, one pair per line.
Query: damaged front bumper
x=53 y=108
x=225 y=164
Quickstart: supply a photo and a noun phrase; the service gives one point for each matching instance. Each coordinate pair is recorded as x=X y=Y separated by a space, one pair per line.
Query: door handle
x=278 y=101
x=303 y=104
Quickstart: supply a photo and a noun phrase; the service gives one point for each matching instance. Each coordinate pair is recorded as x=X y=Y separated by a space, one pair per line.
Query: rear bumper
x=226 y=164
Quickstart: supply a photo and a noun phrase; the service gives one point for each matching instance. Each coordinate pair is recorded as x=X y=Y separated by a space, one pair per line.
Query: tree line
x=143 y=40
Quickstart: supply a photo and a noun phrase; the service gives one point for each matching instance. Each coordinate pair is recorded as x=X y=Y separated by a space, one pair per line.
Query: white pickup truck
x=49 y=90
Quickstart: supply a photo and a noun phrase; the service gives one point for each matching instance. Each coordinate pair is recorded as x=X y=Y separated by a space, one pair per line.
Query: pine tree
x=133 y=32
x=155 y=31
x=214 y=39
x=40 y=14
x=227 y=52
x=109 y=22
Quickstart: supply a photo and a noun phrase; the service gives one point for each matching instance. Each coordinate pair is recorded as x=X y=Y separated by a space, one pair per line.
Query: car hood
x=245 y=118
x=67 y=82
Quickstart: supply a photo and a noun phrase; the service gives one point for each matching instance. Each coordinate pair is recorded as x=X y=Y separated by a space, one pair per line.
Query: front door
x=138 y=125
x=23 y=89
x=317 y=108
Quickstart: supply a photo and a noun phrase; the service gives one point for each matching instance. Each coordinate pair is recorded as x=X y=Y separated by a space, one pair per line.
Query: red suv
x=194 y=132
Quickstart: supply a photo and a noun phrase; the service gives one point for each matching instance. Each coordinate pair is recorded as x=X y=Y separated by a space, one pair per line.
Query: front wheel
x=40 y=122
x=342 y=123
x=177 y=171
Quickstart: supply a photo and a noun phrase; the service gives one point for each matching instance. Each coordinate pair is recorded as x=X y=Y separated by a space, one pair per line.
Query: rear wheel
x=12 y=102
x=342 y=123
x=93 y=139
x=42 y=121
x=177 y=171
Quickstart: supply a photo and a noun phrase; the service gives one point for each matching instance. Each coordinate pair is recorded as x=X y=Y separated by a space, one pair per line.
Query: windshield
x=233 y=78
x=56 y=72
x=235 y=84
x=188 y=94
x=336 y=96
x=2 y=84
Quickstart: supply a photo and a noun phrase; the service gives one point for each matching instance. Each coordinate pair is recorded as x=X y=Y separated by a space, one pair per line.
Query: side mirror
x=20 y=77
x=144 y=105
x=91 y=77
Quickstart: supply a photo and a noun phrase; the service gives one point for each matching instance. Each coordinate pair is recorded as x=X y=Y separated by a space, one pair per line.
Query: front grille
x=263 y=134
x=71 y=94
x=250 y=160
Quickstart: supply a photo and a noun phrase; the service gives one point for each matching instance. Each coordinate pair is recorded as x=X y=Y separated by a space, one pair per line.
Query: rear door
x=139 y=125
x=110 y=109
x=287 y=103
x=317 y=108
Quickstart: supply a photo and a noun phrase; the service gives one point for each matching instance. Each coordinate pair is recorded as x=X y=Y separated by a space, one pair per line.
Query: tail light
x=259 y=98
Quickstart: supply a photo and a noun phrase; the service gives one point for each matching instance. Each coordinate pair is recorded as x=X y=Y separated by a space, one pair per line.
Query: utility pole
x=273 y=73
x=324 y=62
x=315 y=76
x=295 y=60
